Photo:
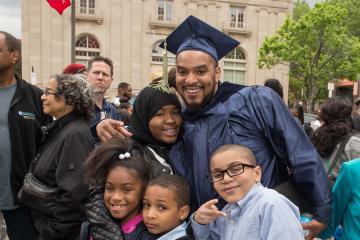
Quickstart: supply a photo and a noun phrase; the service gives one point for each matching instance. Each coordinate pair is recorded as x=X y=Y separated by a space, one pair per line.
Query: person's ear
x=184 y=212
x=257 y=173
x=217 y=74
x=15 y=57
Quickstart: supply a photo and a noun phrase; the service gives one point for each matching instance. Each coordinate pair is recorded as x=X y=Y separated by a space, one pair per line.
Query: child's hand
x=208 y=212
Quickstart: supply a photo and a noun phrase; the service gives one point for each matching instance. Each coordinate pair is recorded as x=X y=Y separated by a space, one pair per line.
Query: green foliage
x=353 y=18
x=301 y=8
x=318 y=49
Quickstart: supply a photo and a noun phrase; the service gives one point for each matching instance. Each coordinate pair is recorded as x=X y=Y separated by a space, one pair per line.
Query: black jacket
x=102 y=225
x=59 y=164
x=25 y=118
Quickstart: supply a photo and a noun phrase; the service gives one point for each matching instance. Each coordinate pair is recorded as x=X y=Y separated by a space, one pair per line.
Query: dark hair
x=178 y=185
x=275 y=85
x=243 y=152
x=300 y=110
x=74 y=90
x=124 y=104
x=336 y=115
x=105 y=157
x=124 y=115
x=12 y=43
x=102 y=59
x=172 y=77
x=356 y=122
x=123 y=85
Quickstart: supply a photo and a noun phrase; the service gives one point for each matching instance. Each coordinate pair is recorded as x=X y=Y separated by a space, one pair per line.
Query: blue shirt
x=262 y=214
x=107 y=111
x=178 y=232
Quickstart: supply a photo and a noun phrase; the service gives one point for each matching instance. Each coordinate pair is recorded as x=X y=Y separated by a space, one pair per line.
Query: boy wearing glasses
x=252 y=212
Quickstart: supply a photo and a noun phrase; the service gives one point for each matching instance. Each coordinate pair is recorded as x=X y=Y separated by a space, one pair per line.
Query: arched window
x=86 y=47
x=157 y=54
x=235 y=66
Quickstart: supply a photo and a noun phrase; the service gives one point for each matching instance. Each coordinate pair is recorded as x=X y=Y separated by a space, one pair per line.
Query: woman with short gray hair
x=58 y=166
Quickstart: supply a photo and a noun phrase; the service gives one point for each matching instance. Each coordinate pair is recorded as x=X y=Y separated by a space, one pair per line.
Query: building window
x=236 y=17
x=164 y=10
x=87 y=6
x=157 y=54
x=235 y=66
x=86 y=47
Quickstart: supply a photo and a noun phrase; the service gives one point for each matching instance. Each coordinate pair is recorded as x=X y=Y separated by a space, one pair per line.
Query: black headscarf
x=147 y=103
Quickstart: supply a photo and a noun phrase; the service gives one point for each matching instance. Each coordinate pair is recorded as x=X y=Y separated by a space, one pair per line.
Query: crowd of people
x=202 y=159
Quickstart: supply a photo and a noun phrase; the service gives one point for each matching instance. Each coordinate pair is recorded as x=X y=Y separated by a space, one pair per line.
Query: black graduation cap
x=194 y=34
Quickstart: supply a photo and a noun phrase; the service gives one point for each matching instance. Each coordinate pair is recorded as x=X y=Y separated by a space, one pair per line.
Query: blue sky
x=10 y=15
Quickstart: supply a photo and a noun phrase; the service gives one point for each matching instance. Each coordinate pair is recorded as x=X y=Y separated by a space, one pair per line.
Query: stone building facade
x=129 y=31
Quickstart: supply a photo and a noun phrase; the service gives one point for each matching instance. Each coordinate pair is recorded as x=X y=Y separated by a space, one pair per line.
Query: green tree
x=317 y=48
x=300 y=9
x=353 y=18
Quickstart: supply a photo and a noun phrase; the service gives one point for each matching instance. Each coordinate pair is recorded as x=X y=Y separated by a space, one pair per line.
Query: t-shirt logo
x=27 y=115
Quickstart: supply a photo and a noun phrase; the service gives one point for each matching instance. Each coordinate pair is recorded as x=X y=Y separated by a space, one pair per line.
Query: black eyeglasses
x=47 y=92
x=231 y=171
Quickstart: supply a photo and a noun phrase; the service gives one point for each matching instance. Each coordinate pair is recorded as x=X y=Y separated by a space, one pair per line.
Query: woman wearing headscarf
x=58 y=165
x=155 y=124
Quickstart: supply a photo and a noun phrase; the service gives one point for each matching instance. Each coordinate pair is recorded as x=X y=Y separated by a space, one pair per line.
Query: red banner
x=59 y=5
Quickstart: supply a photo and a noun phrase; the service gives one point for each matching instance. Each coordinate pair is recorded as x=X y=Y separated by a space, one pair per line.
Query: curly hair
x=336 y=115
x=74 y=89
x=105 y=157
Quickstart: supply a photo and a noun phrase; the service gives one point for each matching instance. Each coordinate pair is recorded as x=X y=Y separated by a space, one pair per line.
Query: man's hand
x=109 y=129
x=208 y=212
x=314 y=228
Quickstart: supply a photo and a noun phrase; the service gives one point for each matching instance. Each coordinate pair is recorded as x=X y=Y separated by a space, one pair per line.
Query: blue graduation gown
x=255 y=117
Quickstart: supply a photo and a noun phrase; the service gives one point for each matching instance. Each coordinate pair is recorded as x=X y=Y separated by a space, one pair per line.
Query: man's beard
x=207 y=99
x=4 y=69
x=98 y=90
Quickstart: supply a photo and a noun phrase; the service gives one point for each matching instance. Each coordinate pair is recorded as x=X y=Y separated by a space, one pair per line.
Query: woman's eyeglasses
x=47 y=92
x=231 y=171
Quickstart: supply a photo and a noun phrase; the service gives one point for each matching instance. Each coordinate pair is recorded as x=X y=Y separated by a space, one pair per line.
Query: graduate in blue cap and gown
x=223 y=113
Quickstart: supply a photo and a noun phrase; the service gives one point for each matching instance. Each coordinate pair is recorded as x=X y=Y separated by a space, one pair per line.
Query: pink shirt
x=131 y=225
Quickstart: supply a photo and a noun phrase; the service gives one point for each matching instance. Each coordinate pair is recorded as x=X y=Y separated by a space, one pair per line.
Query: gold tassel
x=163 y=85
